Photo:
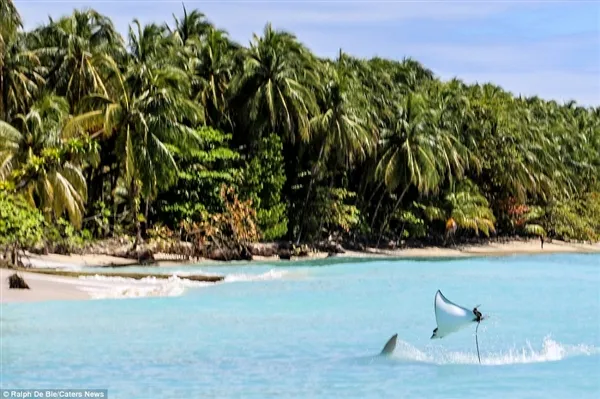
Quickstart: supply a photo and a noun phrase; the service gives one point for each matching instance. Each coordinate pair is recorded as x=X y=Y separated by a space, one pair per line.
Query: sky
x=546 y=48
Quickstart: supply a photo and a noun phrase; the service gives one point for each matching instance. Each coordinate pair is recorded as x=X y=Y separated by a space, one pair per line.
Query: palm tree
x=45 y=167
x=10 y=23
x=528 y=219
x=273 y=92
x=340 y=130
x=149 y=44
x=411 y=74
x=73 y=47
x=33 y=132
x=342 y=125
x=193 y=25
x=210 y=61
x=463 y=207
x=20 y=77
x=510 y=145
x=419 y=152
x=144 y=122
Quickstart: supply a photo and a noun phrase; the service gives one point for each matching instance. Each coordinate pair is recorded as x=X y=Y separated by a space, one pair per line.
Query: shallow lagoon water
x=314 y=329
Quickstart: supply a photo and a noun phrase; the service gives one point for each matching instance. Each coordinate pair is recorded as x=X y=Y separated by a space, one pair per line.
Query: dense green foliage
x=201 y=172
x=264 y=179
x=577 y=218
x=20 y=224
x=121 y=134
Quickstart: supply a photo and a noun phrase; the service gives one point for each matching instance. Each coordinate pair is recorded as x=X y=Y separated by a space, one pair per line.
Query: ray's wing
x=450 y=316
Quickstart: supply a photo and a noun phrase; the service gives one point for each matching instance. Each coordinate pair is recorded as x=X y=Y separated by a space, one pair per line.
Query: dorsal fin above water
x=390 y=345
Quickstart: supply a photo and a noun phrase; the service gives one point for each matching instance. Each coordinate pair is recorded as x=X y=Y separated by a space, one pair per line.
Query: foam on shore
x=103 y=287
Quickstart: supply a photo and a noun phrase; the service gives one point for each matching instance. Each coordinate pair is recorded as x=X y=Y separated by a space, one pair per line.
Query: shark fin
x=390 y=345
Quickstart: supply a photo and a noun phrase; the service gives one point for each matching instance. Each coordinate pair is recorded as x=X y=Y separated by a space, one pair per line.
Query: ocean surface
x=315 y=329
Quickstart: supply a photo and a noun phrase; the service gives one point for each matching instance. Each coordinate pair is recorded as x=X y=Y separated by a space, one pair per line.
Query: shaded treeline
x=119 y=135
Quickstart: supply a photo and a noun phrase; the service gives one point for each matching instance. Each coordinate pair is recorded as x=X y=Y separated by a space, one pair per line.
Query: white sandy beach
x=47 y=287
x=494 y=248
x=42 y=288
x=73 y=261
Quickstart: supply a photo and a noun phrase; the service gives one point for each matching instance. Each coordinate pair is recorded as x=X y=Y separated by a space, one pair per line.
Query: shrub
x=21 y=226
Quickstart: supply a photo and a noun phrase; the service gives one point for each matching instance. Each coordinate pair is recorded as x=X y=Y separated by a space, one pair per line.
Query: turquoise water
x=313 y=330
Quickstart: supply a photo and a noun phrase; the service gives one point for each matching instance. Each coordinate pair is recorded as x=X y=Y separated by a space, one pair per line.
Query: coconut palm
x=73 y=47
x=43 y=165
x=340 y=130
x=143 y=121
x=192 y=25
x=19 y=68
x=273 y=92
x=341 y=125
x=463 y=207
x=149 y=44
x=10 y=23
x=20 y=77
x=510 y=166
x=418 y=151
x=210 y=61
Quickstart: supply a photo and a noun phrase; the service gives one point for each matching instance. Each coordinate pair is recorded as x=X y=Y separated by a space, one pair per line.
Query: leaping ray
x=451 y=317
x=390 y=345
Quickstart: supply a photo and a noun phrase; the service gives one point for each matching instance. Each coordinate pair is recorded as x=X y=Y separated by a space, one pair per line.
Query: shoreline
x=500 y=248
x=48 y=286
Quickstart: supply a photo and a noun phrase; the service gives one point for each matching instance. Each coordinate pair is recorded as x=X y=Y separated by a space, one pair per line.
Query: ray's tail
x=477 y=342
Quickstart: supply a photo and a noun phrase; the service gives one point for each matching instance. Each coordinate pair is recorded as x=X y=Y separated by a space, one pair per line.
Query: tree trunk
x=14 y=257
x=377 y=188
x=3 y=96
x=144 y=224
x=328 y=196
x=310 y=184
x=113 y=184
x=387 y=220
x=360 y=197
x=377 y=210
x=133 y=199
x=291 y=173
x=2 y=112
x=95 y=179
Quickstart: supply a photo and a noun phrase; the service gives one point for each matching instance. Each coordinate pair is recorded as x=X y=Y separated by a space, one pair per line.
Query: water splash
x=550 y=351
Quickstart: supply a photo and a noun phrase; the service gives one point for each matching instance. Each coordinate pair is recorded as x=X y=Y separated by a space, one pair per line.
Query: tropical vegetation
x=178 y=128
